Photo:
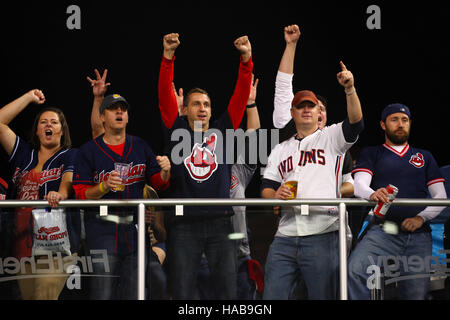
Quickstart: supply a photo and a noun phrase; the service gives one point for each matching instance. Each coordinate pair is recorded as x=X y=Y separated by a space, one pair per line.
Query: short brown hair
x=195 y=90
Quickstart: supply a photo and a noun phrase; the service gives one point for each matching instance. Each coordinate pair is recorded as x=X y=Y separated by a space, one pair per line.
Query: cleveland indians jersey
x=24 y=158
x=201 y=174
x=94 y=164
x=316 y=163
x=411 y=170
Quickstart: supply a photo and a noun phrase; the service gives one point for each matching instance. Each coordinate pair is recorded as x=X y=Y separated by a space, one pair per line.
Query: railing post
x=141 y=252
x=343 y=251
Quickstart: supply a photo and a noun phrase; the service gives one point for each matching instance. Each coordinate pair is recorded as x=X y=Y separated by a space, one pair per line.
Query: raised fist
x=36 y=96
x=244 y=47
x=171 y=41
x=292 y=34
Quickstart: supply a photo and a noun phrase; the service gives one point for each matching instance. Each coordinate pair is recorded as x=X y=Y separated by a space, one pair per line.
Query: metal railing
x=180 y=203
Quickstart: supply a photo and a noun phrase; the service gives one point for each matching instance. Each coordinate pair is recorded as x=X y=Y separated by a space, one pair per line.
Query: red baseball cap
x=304 y=95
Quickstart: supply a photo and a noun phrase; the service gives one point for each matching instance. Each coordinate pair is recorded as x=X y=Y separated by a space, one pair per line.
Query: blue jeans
x=391 y=252
x=119 y=283
x=187 y=241
x=315 y=259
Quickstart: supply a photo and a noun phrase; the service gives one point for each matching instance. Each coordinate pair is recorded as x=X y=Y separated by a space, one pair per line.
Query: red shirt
x=28 y=190
x=236 y=107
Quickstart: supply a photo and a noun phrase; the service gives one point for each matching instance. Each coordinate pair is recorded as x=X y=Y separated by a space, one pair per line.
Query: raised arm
x=167 y=100
x=291 y=36
x=99 y=87
x=180 y=98
x=345 y=79
x=10 y=111
x=238 y=101
x=253 y=122
x=283 y=83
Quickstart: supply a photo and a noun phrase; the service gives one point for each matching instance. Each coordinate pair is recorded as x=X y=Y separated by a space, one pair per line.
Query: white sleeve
x=271 y=172
x=337 y=138
x=283 y=99
x=362 y=185
x=348 y=178
x=437 y=191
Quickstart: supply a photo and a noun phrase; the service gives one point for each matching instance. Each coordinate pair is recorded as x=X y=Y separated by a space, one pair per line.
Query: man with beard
x=414 y=172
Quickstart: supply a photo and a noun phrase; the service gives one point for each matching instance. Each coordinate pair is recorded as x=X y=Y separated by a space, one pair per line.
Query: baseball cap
x=394 y=108
x=111 y=100
x=304 y=95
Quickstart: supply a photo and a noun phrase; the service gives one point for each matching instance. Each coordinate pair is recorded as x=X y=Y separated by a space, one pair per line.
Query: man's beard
x=397 y=140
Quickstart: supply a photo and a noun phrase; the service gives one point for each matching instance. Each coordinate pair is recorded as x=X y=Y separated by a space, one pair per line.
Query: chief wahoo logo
x=417 y=160
x=202 y=162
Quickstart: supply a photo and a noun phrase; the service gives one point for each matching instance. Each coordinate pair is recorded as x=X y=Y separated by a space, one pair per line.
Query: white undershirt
x=437 y=191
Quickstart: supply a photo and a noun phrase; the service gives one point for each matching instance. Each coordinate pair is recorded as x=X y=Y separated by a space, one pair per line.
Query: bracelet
x=101 y=187
x=350 y=93
x=251 y=105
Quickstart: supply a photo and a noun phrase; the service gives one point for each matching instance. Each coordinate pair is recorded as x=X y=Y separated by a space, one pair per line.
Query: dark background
x=406 y=61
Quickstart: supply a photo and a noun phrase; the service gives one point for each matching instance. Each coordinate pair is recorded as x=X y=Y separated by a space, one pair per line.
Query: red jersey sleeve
x=158 y=183
x=167 y=101
x=238 y=102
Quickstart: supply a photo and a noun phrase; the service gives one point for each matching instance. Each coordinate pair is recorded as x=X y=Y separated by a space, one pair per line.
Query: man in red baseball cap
x=304 y=111
x=302 y=96
x=312 y=158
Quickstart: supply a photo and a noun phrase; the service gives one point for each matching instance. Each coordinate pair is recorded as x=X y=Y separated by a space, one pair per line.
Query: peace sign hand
x=99 y=85
x=253 y=87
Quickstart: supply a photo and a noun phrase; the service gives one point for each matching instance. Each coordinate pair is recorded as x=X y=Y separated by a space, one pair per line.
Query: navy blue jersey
x=411 y=171
x=94 y=163
x=24 y=158
x=203 y=172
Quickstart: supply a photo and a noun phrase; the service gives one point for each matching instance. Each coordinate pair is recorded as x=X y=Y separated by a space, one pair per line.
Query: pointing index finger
x=343 y=67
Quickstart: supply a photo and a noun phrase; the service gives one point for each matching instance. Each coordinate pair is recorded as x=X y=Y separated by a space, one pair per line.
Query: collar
x=400 y=153
x=300 y=139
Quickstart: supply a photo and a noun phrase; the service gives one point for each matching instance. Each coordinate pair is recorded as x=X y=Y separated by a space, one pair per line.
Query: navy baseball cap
x=111 y=100
x=394 y=108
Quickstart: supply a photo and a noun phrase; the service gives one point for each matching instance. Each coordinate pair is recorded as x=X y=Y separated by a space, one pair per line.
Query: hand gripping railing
x=179 y=203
